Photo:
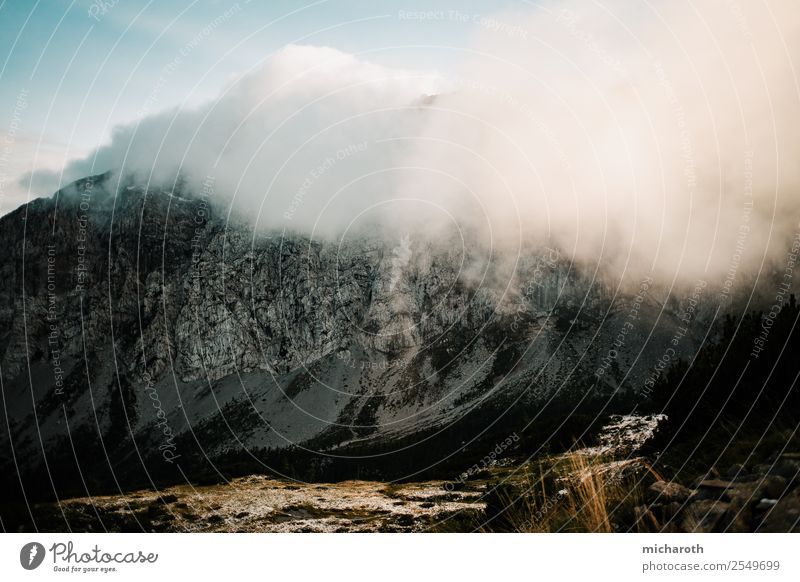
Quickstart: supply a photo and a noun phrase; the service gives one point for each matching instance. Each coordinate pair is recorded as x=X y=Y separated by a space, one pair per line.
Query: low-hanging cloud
x=652 y=137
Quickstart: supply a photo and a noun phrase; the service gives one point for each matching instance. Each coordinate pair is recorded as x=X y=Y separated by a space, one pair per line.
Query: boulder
x=667 y=492
x=714 y=489
x=705 y=516
x=749 y=493
x=735 y=472
x=765 y=504
x=711 y=475
x=784 y=517
x=788 y=467
x=771 y=486
x=762 y=469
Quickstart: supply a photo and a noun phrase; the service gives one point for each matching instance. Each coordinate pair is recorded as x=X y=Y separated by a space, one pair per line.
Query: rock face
x=135 y=322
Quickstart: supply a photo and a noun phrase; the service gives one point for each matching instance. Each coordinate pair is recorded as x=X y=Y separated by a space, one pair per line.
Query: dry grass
x=591 y=493
x=574 y=492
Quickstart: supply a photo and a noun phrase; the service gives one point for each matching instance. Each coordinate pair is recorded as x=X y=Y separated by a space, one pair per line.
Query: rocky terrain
x=144 y=330
x=608 y=486
x=150 y=341
x=764 y=497
x=259 y=503
x=262 y=504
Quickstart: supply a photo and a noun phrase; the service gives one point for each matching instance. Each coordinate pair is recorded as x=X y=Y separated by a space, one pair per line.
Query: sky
x=71 y=71
x=653 y=136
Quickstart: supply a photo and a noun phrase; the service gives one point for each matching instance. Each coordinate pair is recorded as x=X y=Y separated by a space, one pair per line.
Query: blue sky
x=629 y=90
x=71 y=71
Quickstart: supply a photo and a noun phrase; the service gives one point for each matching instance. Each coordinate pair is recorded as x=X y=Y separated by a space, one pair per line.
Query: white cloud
x=632 y=135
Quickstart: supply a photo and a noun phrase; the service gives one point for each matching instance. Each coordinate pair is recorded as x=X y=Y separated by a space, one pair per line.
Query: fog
x=656 y=137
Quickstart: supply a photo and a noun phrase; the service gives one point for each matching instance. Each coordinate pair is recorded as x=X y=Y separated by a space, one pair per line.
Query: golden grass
x=591 y=493
x=574 y=492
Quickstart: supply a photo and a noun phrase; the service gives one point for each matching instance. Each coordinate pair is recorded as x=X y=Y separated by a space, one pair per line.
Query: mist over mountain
x=155 y=326
x=652 y=144
x=338 y=269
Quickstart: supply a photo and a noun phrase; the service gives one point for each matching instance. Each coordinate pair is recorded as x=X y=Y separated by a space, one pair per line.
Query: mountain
x=148 y=336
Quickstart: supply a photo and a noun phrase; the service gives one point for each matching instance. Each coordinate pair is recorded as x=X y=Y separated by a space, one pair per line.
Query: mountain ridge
x=150 y=324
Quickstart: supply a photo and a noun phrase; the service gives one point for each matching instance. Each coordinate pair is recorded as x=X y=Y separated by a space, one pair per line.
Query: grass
x=591 y=494
x=574 y=492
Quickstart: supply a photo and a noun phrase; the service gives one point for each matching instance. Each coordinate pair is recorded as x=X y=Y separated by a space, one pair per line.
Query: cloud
x=660 y=137
x=19 y=154
x=279 y=143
